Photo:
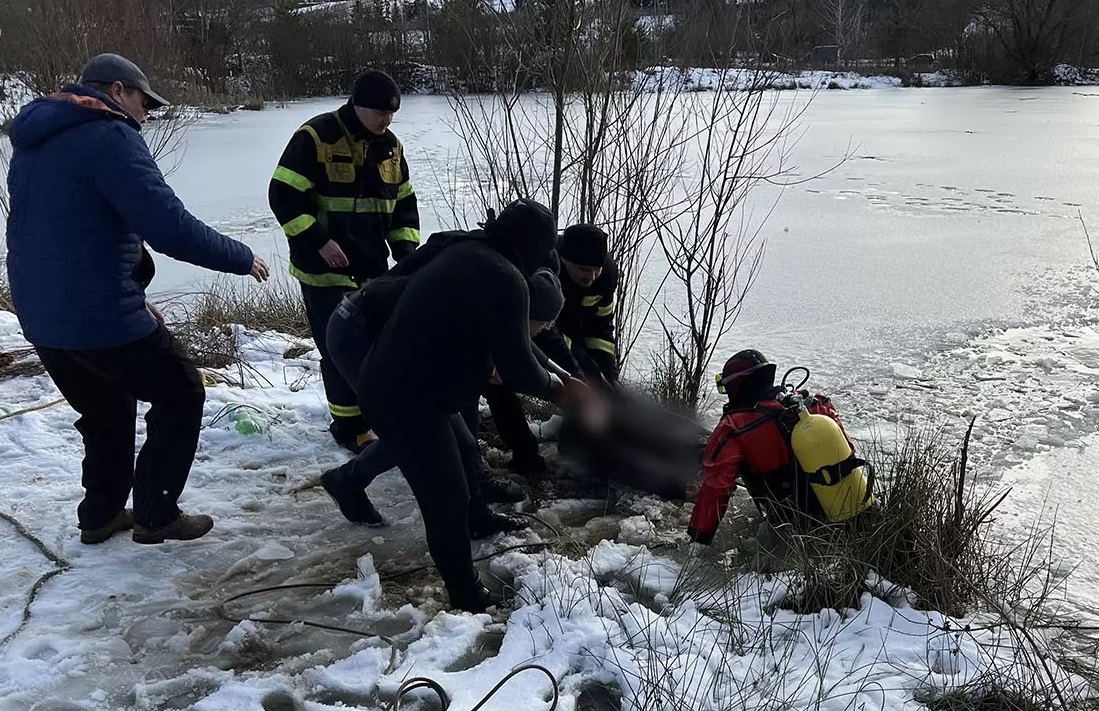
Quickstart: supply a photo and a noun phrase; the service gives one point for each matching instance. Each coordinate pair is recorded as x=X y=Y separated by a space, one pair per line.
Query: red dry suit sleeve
x=718 y=483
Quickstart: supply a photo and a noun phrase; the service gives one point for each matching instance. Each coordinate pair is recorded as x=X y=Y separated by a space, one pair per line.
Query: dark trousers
x=511 y=421
x=349 y=341
x=320 y=303
x=427 y=446
x=103 y=386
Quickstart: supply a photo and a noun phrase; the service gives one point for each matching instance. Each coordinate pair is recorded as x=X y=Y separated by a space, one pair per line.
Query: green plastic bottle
x=245 y=423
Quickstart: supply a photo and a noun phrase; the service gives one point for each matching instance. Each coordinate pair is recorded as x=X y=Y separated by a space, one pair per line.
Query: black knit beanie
x=585 y=245
x=525 y=232
x=546 y=299
x=376 y=90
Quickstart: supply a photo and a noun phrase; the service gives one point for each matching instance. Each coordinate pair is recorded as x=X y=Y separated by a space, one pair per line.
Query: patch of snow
x=655 y=23
x=1068 y=75
x=367 y=588
x=246 y=634
x=274 y=551
x=341 y=6
x=940 y=79
x=637 y=530
x=742 y=79
x=906 y=372
x=14 y=93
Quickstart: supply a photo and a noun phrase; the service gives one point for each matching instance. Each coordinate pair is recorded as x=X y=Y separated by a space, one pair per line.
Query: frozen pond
x=955 y=206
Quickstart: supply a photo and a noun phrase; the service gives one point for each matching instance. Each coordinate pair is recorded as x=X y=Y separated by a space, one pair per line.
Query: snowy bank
x=742 y=79
x=700 y=79
x=136 y=627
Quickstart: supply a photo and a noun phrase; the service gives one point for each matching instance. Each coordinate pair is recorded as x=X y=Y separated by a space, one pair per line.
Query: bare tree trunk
x=843 y=20
x=558 y=149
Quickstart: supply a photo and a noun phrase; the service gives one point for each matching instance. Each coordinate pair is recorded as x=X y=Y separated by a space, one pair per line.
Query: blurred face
x=581 y=275
x=374 y=120
x=537 y=327
x=133 y=101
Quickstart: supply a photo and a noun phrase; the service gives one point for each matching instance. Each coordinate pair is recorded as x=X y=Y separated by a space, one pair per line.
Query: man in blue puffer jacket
x=86 y=195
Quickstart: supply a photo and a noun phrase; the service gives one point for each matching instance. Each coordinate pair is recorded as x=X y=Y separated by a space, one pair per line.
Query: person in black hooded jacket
x=460 y=314
x=352 y=331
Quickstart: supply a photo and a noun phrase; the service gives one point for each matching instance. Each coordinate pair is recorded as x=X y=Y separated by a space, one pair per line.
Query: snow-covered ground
x=133 y=627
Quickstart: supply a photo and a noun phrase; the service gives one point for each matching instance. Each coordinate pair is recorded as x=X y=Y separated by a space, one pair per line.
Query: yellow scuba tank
x=820 y=446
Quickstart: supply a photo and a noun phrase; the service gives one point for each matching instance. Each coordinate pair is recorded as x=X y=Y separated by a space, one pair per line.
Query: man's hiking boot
x=351 y=437
x=496 y=489
x=122 y=521
x=354 y=504
x=488 y=522
x=184 y=528
x=476 y=599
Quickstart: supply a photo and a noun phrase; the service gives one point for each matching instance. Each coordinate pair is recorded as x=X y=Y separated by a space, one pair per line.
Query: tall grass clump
x=203 y=321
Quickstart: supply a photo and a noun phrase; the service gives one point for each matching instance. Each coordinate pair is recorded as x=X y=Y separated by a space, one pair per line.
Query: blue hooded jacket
x=85 y=195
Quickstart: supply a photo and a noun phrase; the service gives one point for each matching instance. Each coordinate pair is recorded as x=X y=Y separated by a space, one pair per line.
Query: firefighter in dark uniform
x=343 y=196
x=589 y=280
x=582 y=341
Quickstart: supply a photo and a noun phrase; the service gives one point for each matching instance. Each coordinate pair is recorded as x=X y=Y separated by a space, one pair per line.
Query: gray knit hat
x=546 y=299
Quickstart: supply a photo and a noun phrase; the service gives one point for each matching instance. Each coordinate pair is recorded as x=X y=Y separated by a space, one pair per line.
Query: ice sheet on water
x=1029 y=388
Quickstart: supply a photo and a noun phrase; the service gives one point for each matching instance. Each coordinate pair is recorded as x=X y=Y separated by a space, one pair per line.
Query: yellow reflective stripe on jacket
x=322 y=279
x=591 y=300
x=375 y=205
x=331 y=204
x=404 y=190
x=598 y=344
x=568 y=341
x=405 y=234
x=295 y=180
x=299 y=224
x=344 y=410
x=605 y=310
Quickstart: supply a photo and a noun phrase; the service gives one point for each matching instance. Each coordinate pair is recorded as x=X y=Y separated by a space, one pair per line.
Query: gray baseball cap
x=109 y=68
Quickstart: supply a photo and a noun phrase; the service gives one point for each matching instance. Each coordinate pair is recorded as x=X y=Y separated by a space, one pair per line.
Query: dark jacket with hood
x=461 y=309
x=85 y=195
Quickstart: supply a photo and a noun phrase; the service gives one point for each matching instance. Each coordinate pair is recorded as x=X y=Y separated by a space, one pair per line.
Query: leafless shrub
x=205 y=321
x=166 y=136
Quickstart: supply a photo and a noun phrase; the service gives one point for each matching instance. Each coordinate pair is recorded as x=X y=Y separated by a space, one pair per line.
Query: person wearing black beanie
x=375 y=89
x=584 y=246
x=343 y=195
x=589 y=279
